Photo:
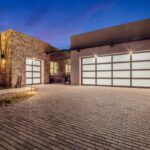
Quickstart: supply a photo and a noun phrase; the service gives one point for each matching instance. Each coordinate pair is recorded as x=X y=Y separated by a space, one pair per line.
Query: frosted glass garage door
x=127 y=70
x=104 y=82
x=104 y=74
x=141 y=69
x=141 y=56
x=104 y=70
x=104 y=59
x=33 y=71
x=88 y=60
x=121 y=82
x=121 y=70
x=88 y=81
x=121 y=66
x=121 y=58
x=140 y=83
x=88 y=71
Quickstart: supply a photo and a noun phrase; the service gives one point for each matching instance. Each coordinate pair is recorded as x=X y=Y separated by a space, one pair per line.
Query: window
x=68 y=69
x=53 y=68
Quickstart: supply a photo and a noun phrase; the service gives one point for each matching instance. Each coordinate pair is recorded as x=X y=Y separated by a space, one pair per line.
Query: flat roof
x=139 y=30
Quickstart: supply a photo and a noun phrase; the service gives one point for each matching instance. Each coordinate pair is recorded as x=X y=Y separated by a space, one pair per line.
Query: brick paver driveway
x=72 y=117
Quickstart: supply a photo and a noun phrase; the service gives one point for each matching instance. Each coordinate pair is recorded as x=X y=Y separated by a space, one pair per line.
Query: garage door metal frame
x=112 y=69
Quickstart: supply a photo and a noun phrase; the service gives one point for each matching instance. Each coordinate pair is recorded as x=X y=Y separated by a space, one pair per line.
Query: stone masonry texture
x=17 y=47
x=5 y=64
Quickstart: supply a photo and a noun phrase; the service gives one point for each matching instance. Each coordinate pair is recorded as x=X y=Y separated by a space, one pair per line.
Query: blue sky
x=55 y=21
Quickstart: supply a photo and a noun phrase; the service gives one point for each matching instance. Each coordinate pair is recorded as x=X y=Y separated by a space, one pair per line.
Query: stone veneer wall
x=25 y=46
x=5 y=64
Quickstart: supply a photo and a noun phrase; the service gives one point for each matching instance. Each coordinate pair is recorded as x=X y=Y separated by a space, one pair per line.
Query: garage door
x=33 y=71
x=128 y=70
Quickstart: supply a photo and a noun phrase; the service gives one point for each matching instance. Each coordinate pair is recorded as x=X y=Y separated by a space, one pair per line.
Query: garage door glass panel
x=141 y=74
x=28 y=68
x=88 y=74
x=36 y=74
x=28 y=74
x=121 y=82
x=121 y=74
x=141 y=65
x=103 y=81
x=33 y=71
x=106 y=59
x=89 y=81
x=121 y=66
x=88 y=67
x=28 y=81
x=36 y=62
x=140 y=83
x=29 y=61
x=104 y=67
x=36 y=81
x=36 y=68
x=141 y=56
x=121 y=58
x=88 y=60
x=106 y=74
x=125 y=70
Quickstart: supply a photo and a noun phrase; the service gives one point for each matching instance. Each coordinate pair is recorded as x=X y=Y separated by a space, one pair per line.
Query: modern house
x=116 y=56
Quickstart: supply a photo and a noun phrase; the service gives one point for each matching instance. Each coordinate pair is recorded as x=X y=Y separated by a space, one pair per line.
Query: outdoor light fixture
x=95 y=56
x=2 y=56
x=130 y=52
x=3 y=59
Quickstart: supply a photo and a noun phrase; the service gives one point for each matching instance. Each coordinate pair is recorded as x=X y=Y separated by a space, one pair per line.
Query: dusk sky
x=55 y=21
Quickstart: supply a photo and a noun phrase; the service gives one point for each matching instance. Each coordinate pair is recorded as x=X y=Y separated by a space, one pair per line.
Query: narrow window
x=68 y=69
x=54 y=68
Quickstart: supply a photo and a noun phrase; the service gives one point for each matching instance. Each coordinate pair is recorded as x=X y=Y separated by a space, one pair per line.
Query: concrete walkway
x=73 y=117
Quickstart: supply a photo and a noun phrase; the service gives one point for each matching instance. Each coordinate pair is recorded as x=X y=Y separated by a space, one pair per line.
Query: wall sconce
x=95 y=56
x=3 y=60
x=2 y=56
x=130 y=52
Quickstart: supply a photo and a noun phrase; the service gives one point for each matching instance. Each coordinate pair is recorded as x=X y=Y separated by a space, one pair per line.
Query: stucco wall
x=111 y=49
x=24 y=46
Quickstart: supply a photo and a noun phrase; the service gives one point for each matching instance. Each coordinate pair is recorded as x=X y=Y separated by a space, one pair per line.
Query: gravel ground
x=78 y=117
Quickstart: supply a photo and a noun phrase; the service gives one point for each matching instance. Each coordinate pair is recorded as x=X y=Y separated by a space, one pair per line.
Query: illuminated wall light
x=130 y=52
x=3 y=60
x=95 y=56
x=2 y=56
